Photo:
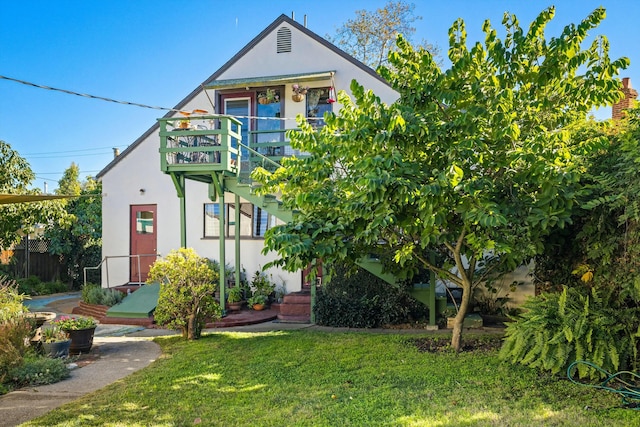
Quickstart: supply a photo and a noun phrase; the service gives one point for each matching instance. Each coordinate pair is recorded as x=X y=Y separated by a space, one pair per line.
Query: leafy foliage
x=475 y=159
x=15 y=328
x=370 y=36
x=15 y=177
x=77 y=236
x=11 y=300
x=557 y=329
x=32 y=285
x=599 y=251
x=95 y=294
x=361 y=300
x=187 y=288
x=38 y=370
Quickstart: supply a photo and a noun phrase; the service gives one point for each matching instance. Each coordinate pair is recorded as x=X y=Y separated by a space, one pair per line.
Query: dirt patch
x=469 y=344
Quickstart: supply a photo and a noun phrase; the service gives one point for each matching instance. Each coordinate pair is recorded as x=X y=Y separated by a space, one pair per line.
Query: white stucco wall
x=140 y=168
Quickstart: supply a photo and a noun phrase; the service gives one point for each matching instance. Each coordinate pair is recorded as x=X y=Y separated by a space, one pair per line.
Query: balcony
x=199 y=145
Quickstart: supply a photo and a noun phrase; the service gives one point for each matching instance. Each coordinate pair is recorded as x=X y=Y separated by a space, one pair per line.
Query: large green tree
x=17 y=219
x=371 y=35
x=474 y=163
x=76 y=237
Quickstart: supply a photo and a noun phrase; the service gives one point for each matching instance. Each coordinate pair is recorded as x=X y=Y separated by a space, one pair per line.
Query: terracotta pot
x=297 y=97
x=81 y=340
x=56 y=349
x=258 y=307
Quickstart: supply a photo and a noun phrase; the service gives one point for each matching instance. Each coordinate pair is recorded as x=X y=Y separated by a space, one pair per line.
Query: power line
x=72 y=151
x=60 y=173
x=135 y=104
x=63 y=156
x=86 y=95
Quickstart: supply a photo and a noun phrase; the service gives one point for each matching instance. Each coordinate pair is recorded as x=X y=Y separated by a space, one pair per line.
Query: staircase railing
x=105 y=261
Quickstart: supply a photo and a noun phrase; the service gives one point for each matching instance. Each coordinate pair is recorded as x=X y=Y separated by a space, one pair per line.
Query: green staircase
x=219 y=165
x=421 y=292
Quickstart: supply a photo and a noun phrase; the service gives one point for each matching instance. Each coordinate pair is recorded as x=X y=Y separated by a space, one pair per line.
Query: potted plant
x=257 y=301
x=234 y=298
x=299 y=92
x=268 y=97
x=55 y=342
x=80 y=330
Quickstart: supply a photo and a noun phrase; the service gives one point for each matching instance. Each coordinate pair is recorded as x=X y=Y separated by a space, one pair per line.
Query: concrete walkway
x=110 y=359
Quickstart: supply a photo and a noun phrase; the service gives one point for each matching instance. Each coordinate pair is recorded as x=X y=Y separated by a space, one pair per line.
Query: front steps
x=296 y=308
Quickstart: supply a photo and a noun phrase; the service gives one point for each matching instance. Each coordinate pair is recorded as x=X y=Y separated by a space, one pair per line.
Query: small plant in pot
x=268 y=97
x=257 y=301
x=80 y=330
x=55 y=342
x=234 y=298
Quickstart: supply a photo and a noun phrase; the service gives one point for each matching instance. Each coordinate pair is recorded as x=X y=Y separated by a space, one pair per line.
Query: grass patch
x=305 y=378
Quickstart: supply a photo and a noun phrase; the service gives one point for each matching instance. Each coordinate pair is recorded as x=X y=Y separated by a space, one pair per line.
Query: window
x=144 y=222
x=254 y=221
x=211 y=220
x=317 y=105
x=262 y=221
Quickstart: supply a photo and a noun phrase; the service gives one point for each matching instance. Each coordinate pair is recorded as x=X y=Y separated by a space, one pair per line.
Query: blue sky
x=155 y=52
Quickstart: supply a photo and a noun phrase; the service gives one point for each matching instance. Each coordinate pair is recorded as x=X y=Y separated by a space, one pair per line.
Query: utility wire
x=135 y=104
x=71 y=151
x=86 y=95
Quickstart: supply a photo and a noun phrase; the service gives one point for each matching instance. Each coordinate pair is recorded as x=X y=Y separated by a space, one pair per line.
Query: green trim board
x=269 y=80
x=137 y=305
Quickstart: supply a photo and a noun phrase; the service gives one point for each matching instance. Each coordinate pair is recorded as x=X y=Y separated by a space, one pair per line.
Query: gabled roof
x=275 y=24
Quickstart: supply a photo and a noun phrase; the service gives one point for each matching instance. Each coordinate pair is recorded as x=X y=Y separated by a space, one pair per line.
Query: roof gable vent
x=284 y=40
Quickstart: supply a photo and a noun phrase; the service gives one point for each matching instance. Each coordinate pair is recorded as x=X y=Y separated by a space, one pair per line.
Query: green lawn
x=305 y=378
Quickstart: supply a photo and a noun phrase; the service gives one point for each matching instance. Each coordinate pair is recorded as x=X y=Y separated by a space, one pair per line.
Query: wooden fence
x=39 y=261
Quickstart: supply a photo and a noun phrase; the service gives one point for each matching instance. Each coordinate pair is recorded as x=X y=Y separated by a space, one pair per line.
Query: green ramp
x=137 y=305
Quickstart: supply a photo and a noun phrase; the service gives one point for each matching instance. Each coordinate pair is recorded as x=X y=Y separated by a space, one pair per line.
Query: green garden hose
x=627 y=388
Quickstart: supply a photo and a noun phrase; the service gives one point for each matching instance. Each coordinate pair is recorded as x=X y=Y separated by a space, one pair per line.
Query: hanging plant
x=299 y=92
x=268 y=97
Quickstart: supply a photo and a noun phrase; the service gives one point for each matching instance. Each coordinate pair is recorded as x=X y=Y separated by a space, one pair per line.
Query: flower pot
x=297 y=97
x=234 y=306
x=81 y=340
x=56 y=349
x=258 y=307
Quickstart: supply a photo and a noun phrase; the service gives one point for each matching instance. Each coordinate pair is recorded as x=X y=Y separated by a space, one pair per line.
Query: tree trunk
x=458 y=322
x=191 y=326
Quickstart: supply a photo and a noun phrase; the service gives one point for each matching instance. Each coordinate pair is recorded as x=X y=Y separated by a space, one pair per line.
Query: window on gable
x=284 y=40
x=317 y=105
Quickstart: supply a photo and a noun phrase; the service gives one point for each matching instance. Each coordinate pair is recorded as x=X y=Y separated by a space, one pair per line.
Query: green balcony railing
x=200 y=144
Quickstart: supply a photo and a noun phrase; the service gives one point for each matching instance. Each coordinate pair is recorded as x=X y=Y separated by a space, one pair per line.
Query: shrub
x=187 y=287
x=38 y=370
x=92 y=294
x=361 y=300
x=95 y=294
x=14 y=344
x=560 y=328
x=32 y=285
x=111 y=297
x=11 y=300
